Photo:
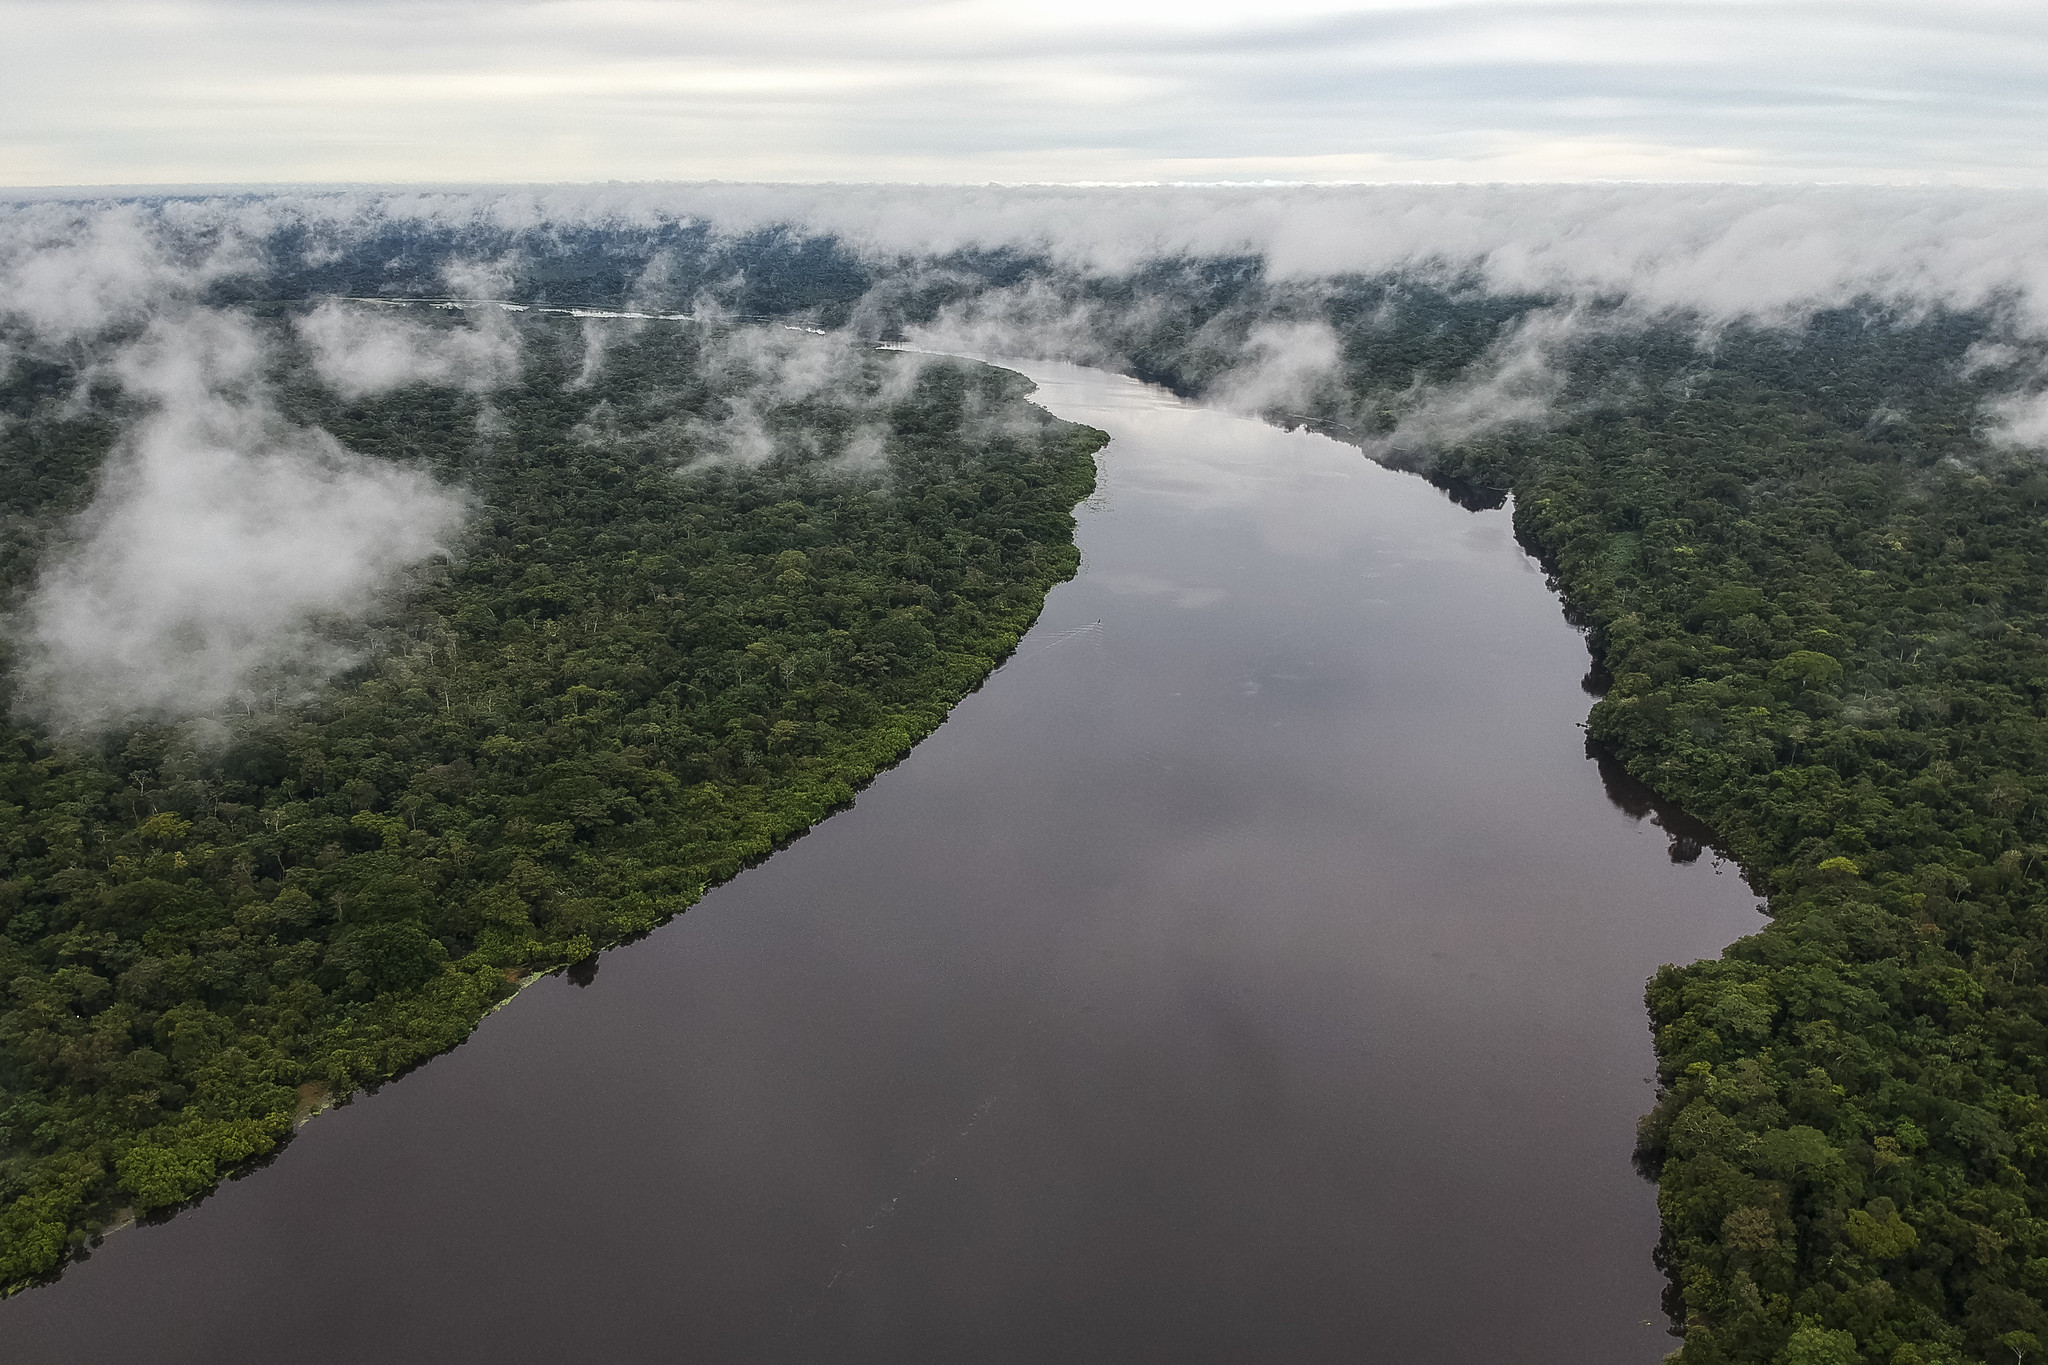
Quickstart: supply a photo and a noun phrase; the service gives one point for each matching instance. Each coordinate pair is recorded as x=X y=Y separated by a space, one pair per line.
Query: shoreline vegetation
x=642 y=669
x=1816 y=586
x=1820 y=599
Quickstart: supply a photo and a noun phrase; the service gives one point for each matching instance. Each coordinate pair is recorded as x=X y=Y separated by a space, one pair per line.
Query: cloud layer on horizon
x=1720 y=250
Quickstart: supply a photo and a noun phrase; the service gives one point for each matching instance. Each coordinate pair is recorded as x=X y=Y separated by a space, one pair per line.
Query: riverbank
x=1249 y=973
x=629 y=686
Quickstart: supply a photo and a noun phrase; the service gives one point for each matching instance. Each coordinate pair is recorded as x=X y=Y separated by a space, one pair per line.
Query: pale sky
x=96 y=92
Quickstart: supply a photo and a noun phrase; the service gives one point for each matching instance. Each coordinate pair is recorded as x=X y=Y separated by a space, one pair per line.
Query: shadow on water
x=1689 y=835
x=1598 y=682
x=1473 y=497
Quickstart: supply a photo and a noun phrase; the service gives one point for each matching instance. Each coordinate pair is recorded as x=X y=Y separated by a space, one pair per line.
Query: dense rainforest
x=1815 y=592
x=647 y=660
x=1820 y=600
x=1824 y=606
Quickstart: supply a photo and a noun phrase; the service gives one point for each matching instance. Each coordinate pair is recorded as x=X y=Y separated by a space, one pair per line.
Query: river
x=1251 y=971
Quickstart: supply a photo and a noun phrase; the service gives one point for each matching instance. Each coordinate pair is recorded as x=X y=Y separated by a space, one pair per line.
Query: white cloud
x=222 y=536
x=1724 y=250
x=219 y=539
x=1284 y=367
x=1514 y=384
x=2019 y=419
x=68 y=271
x=756 y=373
x=969 y=90
x=357 y=351
x=1036 y=318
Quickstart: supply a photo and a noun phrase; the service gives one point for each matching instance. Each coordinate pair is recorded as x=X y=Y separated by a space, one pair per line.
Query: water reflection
x=1252 y=970
x=1473 y=497
x=1689 y=836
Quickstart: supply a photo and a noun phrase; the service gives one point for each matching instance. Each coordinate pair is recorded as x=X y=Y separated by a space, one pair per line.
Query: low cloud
x=1285 y=368
x=2017 y=416
x=2018 y=419
x=1268 y=354
x=69 y=272
x=359 y=350
x=597 y=339
x=1038 y=319
x=1516 y=383
x=221 y=543
x=763 y=369
x=824 y=399
x=223 y=540
x=1723 y=251
x=785 y=364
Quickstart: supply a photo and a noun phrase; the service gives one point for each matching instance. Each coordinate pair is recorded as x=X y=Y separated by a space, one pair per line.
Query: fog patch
x=479 y=280
x=1983 y=356
x=69 y=272
x=2018 y=416
x=2018 y=419
x=1725 y=251
x=655 y=288
x=1271 y=355
x=1717 y=253
x=866 y=450
x=596 y=341
x=1036 y=320
x=1517 y=383
x=220 y=542
x=788 y=392
x=491 y=424
x=1285 y=368
x=737 y=435
x=792 y=365
x=360 y=351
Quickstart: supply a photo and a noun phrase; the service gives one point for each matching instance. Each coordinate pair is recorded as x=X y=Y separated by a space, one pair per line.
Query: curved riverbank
x=1248 y=976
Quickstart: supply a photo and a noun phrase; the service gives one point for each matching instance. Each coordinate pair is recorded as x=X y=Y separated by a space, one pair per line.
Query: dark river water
x=1251 y=971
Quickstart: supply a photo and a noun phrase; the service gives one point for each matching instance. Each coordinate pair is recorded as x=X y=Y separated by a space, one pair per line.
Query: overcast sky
x=223 y=91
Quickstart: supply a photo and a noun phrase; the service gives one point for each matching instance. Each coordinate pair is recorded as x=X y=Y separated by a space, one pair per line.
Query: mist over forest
x=1410 y=321
x=411 y=592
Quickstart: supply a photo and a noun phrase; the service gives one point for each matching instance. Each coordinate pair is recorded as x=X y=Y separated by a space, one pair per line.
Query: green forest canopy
x=1822 y=599
x=1817 y=589
x=1820 y=593
x=639 y=672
